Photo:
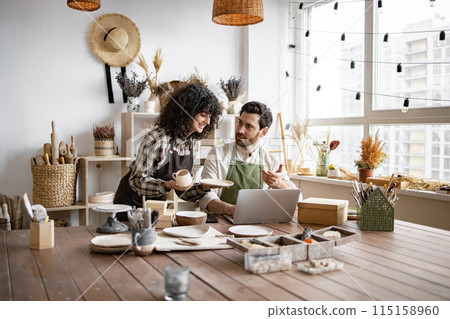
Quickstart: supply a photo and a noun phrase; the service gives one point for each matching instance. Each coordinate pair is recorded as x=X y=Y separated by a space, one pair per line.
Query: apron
x=126 y=195
x=244 y=175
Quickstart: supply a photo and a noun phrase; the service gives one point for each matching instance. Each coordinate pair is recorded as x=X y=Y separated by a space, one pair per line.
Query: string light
x=352 y=65
x=399 y=68
x=442 y=38
x=300 y=7
x=405 y=105
x=336 y=5
x=386 y=39
x=287 y=74
x=318 y=88
x=380 y=6
x=315 y=60
x=343 y=37
x=292 y=46
x=307 y=33
x=358 y=96
x=432 y=3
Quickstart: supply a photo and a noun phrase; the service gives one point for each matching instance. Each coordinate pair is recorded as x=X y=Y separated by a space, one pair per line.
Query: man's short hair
x=265 y=119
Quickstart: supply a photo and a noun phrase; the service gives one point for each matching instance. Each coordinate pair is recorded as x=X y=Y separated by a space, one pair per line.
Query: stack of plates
x=102 y=198
x=111 y=244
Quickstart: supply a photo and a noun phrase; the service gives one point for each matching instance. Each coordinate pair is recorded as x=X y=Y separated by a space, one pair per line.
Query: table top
x=410 y=263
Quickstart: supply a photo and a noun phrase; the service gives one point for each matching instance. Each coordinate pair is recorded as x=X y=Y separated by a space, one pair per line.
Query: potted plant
x=234 y=89
x=372 y=156
x=133 y=88
x=153 y=103
x=104 y=139
x=323 y=160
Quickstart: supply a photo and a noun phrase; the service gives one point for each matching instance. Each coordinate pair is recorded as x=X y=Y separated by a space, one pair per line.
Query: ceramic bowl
x=185 y=218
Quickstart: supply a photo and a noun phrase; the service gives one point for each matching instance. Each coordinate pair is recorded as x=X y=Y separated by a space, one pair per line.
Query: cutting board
x=166 y=242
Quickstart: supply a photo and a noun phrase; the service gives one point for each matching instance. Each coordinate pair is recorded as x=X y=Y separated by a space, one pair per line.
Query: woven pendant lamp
x=84 y=5
x=238 y=12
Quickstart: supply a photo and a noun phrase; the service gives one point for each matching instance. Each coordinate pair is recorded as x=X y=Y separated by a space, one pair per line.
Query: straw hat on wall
x=115 y=39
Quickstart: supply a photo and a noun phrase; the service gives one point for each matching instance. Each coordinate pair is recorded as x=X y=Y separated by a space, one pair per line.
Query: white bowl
x=185 y=218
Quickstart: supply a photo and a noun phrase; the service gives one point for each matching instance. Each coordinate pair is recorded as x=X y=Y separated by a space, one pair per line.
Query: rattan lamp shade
x=238 y=12
x=84 y=5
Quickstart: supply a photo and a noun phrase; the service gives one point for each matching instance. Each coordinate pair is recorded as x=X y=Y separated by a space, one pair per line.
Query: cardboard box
x=42 y=235
x=322 y=211
x=166 y=220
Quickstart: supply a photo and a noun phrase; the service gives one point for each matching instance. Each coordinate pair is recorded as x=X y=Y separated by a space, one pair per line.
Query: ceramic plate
x=118 y=240
x=113 y=208
x=109 y=250
x=193 y=231
x=217 y=182
x=250 y=231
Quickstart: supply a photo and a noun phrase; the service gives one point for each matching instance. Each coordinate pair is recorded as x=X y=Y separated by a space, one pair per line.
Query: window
x=417 y=142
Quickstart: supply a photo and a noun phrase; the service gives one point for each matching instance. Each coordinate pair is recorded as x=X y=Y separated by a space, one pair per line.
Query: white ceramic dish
x=250 y=231
x=216 y=182
x=117 y=240
x=191 y=214
x=113 y=208
x=193 y=231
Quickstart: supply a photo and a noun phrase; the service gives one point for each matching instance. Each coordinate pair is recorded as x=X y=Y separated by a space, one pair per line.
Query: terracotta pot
x=364 y=173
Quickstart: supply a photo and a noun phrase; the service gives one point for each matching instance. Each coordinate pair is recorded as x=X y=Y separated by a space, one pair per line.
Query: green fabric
x=244 y=175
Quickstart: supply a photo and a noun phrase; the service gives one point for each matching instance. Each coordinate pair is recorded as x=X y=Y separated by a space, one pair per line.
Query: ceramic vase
x=133 y=104
x=234 y=107
x=364 y=173
x=323 y=161
x=154 y=98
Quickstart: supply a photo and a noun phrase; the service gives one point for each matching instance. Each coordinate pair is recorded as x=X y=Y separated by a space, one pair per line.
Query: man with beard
x=243 y=162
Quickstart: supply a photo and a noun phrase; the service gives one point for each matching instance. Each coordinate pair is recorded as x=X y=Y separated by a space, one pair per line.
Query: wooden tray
x=347 y=236
x=382 y=181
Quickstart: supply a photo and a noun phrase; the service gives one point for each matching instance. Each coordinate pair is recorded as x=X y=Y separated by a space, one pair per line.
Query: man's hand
x=274 y=179
x=217 y=206
x=172 y=184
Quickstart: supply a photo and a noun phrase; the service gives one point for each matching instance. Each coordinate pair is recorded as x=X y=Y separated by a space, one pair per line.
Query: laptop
x=264 y=206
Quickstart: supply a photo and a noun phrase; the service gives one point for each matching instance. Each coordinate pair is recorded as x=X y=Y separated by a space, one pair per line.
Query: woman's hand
x=172 y=184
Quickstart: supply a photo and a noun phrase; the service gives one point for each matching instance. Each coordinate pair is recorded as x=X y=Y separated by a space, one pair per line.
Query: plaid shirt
x=152 y=155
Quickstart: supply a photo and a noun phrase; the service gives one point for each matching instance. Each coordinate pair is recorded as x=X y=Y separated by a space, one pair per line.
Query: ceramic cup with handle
x=143 y=240
x=183 y=177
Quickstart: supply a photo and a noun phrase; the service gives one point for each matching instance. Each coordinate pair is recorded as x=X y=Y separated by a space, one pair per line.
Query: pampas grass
x=157 y=62
x=372 y=154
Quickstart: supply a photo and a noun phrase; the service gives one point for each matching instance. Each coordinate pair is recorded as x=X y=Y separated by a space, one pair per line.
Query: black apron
x=126 y=195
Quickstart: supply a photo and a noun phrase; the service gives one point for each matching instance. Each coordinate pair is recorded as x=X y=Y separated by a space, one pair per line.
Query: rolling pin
x=68 y=157
x=62 y=152
x=47 y=159
x=73 y=148
x=54 y=139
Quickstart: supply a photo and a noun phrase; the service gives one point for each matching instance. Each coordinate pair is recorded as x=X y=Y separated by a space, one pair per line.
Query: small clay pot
x=364 y=173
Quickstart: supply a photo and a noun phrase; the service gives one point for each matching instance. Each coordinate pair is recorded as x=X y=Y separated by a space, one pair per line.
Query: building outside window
x=416 y=141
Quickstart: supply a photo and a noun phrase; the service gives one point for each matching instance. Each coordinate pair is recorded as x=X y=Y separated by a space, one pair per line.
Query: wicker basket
x=377 y=213
x=104 y=146
x=54 y=185
x=238 y=13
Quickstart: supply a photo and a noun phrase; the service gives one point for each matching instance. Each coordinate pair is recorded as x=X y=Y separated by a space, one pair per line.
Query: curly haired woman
x=191 y=114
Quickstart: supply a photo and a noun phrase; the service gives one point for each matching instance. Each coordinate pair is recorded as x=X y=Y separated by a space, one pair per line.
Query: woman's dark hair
x=177 y=116
x=265 y=119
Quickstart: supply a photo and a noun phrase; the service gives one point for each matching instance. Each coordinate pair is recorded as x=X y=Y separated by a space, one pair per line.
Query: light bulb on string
x=432 y=3
x=287 y=74
x=380 y=6
x=343 y=38
x=307 y=33
x=300 y=7
x=386 y=40
x=442 y=38
x=318 y=88
x=358 y=96
x=352 y=65
x=336 y=5
x=405 y=105
x=315 y=60
x=399 y=68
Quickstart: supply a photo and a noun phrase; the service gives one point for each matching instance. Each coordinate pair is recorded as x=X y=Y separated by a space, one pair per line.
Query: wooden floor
x=411 y=263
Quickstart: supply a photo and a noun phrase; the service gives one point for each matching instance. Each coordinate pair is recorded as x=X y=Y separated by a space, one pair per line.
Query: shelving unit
x=83 y=204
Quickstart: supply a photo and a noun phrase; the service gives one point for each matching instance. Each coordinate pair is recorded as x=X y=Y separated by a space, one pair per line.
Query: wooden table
x=411 y=263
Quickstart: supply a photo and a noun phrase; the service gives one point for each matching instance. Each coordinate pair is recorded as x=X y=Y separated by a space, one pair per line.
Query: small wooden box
x=42 y=235
x=324 y=248
x=298 y=248
x=347 y=236
x=322 y=211
x=159 y=205
x=166 y=220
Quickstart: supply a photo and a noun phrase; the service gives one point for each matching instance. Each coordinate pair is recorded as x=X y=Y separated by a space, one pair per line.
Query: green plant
x=103 y=131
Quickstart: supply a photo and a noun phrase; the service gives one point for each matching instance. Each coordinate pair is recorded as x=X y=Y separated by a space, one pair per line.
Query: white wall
x=50 y=73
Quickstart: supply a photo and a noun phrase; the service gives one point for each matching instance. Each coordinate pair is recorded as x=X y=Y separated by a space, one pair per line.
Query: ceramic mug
x=183 y=178
x=143 y=240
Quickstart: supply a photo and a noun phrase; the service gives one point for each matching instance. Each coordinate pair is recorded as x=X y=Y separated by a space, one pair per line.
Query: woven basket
x=377 y=213
x=54 y=185
x=104 y=146
x=238 y=12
